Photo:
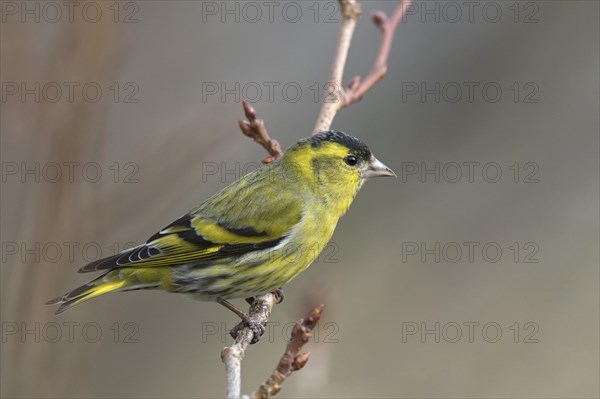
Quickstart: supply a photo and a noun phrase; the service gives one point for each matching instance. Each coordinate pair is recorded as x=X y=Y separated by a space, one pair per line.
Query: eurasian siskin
x=253 y=236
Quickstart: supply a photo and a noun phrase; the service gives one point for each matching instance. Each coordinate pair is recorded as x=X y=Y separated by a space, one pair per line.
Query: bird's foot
x=278 y=295
x=257 y=329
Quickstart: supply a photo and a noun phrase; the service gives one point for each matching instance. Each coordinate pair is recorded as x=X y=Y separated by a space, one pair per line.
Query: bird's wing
x=244 y=217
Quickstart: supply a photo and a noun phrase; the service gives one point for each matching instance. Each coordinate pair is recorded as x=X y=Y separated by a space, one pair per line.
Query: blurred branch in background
x=254 y=127
x=62 y=133
x=74 y=132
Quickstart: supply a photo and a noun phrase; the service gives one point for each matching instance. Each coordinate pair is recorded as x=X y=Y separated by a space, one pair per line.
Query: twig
x=291 y=360
x=232 y=355
x=351 y=12
x=254 y=127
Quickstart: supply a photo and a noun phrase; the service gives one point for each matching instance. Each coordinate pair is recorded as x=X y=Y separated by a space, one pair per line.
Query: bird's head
x=333 y=164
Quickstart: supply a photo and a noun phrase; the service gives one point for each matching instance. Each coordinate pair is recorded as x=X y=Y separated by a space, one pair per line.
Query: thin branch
x=232 y=355
x=291 y=360
x=356 y=89
x=351 y=12
x=254 y=127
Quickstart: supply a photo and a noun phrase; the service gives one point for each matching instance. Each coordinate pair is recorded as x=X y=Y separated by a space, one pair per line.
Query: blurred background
x=474 y=274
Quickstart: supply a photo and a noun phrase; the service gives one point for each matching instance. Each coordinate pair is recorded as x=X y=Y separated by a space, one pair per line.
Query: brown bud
x=268 y=159
x=380 y=19
x=300 y=360
x=249 y=110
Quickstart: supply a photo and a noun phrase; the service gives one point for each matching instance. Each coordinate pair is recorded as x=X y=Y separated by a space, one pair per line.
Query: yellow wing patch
x=219 y=234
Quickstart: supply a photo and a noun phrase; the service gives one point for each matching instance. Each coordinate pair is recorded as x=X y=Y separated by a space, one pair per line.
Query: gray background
x=371 y=286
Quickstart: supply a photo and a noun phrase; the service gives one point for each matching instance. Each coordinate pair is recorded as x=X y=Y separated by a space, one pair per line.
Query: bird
x=250 y=238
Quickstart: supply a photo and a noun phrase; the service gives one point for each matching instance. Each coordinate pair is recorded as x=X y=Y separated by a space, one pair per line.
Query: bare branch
x=388 y=27
x=232 y=355
x=351 y=12
x=291 y=360
x=254 y=127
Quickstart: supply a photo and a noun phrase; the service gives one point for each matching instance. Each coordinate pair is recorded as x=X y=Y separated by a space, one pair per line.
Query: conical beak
x=377 y=169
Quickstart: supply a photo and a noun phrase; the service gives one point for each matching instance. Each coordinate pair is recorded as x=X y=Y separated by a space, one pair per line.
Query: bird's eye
x=351 y=160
